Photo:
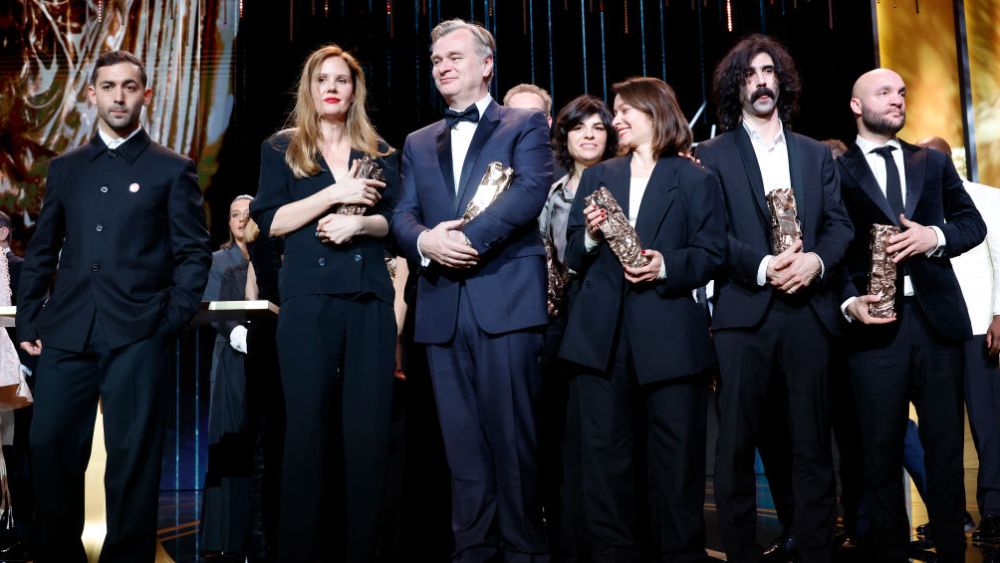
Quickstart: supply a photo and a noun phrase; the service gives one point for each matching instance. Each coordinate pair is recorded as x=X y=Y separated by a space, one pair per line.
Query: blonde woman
x=336 y=331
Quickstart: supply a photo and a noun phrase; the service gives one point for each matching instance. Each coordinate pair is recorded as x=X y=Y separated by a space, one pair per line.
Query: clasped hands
x=792 y=269
x=334 y=228
x=447 y=245
x=651 y=271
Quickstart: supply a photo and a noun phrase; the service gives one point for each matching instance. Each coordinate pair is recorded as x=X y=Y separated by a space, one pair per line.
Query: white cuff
x=762 y=270
x=663 y=270
x=589 y=244
x=424 y=261
x=238 y=339
x=844 y=306
x=939 y=249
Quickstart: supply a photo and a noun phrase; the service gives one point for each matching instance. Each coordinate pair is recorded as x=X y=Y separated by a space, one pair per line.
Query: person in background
x=581 y=137
x=529 y=96
x=226 y=521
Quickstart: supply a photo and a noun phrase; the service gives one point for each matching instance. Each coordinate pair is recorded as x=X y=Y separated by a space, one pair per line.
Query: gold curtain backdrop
x=921 y=47
x=187 y=47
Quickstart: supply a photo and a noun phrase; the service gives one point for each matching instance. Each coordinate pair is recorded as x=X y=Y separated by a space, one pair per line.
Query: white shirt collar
x=867 y=146
x=114 y=143
x=756 y=137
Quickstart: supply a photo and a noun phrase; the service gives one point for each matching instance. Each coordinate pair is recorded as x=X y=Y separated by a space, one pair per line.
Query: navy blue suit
x=917 y=358
x=484 y=325
x=645 y=344
x=766 y=338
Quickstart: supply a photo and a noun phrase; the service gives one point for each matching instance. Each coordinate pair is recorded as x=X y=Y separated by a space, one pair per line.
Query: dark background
x=273 y=43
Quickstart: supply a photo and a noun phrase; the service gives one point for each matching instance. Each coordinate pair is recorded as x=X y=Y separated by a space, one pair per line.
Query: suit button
x=322 y=261
x=357 y=257
x=95 y=267
x=112 y=153
x=99 y=228
x=586 y=283
x=104 y=189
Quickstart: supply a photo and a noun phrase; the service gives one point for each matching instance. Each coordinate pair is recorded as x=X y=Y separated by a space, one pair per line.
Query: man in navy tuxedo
x=123 y=231
x=775 y=312
x=917 y=355
x=480 y=304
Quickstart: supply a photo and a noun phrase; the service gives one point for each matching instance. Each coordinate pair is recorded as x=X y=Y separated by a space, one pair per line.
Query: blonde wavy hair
x=304 y=120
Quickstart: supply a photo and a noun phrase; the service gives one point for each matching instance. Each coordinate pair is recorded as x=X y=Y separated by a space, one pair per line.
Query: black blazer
x=124 y=232
x=312 y=267
x=826 y=229
x=681 y=216
x=934 y=196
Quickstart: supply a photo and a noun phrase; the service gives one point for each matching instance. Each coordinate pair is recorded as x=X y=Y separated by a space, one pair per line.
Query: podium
x=95 y=514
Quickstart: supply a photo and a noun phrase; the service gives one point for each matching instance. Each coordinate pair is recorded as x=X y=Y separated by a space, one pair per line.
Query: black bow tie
x=452 y=117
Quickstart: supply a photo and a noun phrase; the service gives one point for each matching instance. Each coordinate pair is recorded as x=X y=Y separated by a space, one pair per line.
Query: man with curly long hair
x=774 y=311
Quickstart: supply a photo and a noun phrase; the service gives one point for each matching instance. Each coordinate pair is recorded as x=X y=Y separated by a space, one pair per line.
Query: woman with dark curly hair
x=731 y=75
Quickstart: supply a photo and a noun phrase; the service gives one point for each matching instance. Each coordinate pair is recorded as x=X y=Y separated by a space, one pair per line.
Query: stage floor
x=179 y=512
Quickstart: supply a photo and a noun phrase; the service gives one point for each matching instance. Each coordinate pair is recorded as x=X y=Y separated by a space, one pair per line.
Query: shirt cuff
x=843 y=308
x=424 y=261
x=663 y=271
x=939 y=249
x=762 y=270
x=822 y=266
x=589 y=244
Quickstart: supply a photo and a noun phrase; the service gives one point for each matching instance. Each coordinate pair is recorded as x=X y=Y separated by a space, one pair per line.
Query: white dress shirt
x=461 y=138
x=978 y=270
x=115 y=142
x=772 y=159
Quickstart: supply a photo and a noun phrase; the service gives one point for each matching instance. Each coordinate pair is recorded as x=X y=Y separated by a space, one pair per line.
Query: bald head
x=936 y=143
x=878 y=101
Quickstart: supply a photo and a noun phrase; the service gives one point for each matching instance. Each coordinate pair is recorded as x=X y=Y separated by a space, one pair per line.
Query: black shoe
x=989 y=529
x=923 y=529
x=782 y=550
x=968 y=524
x=17 y=550
x=844 y=540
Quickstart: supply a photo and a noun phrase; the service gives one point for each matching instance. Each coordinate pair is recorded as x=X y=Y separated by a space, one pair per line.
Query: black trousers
x=131 y=383
x=631 y=435
x=891 y=366
x=791 y=343
x=337 y=357
x=982 y=398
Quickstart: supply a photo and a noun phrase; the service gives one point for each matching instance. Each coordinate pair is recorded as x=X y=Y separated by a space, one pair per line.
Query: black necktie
x=452 y=117
x=893 y=190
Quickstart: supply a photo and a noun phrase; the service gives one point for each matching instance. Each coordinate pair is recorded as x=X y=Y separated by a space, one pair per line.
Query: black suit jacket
x=826 y=229
x=312 y=267
x=681 y=217
x=934 y=196
x=124 y=232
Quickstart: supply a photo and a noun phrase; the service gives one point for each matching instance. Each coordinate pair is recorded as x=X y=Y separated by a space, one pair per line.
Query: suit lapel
x=752 y=169
x=618 y=178
x=472 y=169
x=657 y=199
x=855 y=163
x=795 y=172
x=444 y=157
x=913 y=162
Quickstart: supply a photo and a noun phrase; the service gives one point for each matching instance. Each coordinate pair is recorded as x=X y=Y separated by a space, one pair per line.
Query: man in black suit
x=774 y=313
x=917 y=354
x=123 y=230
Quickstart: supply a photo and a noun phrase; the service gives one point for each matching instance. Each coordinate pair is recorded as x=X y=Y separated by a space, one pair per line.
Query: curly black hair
x=731 y=72
x=571 y=115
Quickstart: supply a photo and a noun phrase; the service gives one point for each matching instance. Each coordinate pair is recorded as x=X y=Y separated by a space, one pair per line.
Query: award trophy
x=785 y=228
x=619 y=233
x=882 y=279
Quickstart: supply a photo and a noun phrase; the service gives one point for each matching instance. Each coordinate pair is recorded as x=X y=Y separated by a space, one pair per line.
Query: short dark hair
x=656 y=99
x=731 y=72
x=115 y=57
x=574 y=113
